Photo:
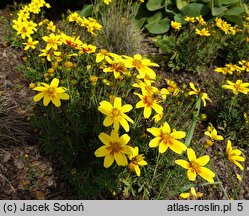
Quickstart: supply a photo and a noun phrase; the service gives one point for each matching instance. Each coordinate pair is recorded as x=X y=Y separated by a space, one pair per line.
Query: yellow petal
x=147 y=112
x=163 y=147
x=105 y=107
x=117 y=103
x=184 y=164
x=139 y=104
x=124 y=139
x=142 y=163
x=191 y=173
x=207 y=174
x=154 y=131
x=191 y=154
x=238 y=165
x=202 y=161
x=108 y=121
x=126 y=108
x=55 y=83
x=184 y=195
x=56 y=101
x=178 y=134
x=124 y=124
x=120 y=158
x=38 y=97
x=157 y=108
x=46 y=100
x=109 y=159
x=177 y=146
x=63 y=96
x=101 y=151
x=104 y=138
x=155 y=142
x=137 y=170
x=40 y=88
x=166 y=128
x=128 y=118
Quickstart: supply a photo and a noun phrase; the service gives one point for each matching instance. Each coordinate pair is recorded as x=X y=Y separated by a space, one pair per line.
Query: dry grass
x=12 y=126
x=120 y=34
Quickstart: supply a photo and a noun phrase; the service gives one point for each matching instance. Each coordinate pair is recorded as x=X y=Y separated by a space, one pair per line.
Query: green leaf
x=234 y=11
x=195 y=9
x=156 y=17
x=158 y=27
x=179 y=18
x=153 y=5
x=86 y=10
x=234 y=19
x=218 y=11
x=181 y=3
x=228 y=2
x=140 y=22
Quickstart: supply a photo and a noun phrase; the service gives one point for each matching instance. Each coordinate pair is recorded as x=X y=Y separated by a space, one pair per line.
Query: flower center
x=115 y=147
x=166 y=138
x=50 y=91
x=137 y=63
x=194 y=165
x=118 y=67
x=148 y=100
x=116 y=113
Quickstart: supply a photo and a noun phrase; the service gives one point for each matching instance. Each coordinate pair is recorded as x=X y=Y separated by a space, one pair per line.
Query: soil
x=26 y=173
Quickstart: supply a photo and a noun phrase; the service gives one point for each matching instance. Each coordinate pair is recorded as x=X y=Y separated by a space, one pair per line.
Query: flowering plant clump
x=120 y=107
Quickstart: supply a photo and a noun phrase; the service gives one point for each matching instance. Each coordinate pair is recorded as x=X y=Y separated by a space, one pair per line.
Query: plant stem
x=157 y=162
x=190 y=133
x=164 y=184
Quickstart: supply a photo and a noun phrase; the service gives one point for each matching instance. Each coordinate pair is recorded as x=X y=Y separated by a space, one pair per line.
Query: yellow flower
x=148 y=102
x=93 y=79
x=49 y=54
x=190 y=19
x=172 y=87
x=244 y=65
x=196 y=166
x=51 y=26
x=234 y=155
x=142 y=65
x=192 y=194
x=30 y=44
x=115 y=114
x=137 y=160
x=24 y=28
x=105 y=55
x=68 y=64
x=238 y=177
x=203 y=95
x=224 y=26
x=202 y=32
x=117 y=67
x=87 y=48
x=223 y=70
x=146 y=86
x=157 y=117
x=200 y=20
x=107 y=2
x=165 y=138
x=115 y=148
x=52 y=41
x=212 y=133
x=237 y=87
x=51 y=93
x=74 y=17
x=246 y=117
x=176 y=25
